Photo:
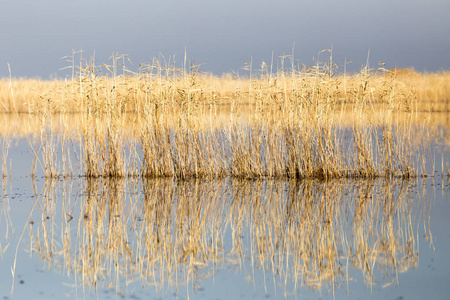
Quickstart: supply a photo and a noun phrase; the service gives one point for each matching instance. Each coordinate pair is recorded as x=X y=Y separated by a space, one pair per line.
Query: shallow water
x=222 y=239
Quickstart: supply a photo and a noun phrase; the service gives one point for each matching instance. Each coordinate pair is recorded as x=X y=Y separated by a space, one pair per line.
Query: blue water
x=240 y=218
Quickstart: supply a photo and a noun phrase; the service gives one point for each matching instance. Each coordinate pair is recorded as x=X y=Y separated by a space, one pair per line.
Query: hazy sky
x=223 y=35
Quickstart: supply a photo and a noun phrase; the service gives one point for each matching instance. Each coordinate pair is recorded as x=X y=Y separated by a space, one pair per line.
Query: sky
x=223 y=36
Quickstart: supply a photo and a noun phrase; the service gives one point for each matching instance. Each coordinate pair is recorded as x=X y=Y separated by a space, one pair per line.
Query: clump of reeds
x=169 y=121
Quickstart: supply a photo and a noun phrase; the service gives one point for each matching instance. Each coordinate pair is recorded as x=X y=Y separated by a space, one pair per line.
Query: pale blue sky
x=223 y=35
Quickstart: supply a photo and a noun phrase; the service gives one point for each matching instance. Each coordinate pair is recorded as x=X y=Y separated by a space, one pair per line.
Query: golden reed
x=165 y=121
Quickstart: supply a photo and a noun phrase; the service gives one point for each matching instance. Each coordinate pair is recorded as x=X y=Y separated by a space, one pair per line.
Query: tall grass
x=167 y=121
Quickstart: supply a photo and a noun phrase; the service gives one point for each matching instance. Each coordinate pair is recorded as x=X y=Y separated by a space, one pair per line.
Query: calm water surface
x=222 y=239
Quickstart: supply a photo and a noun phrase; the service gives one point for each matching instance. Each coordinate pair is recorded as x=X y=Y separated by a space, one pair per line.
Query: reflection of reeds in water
x=5 y=218
x=167 y=234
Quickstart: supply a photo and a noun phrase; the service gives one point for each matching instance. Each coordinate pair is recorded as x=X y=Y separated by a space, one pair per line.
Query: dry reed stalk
x=6 y=144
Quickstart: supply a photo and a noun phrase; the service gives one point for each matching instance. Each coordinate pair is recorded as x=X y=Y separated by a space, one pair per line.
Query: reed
x=158 y=81
x=5 y=151
x=167 y=121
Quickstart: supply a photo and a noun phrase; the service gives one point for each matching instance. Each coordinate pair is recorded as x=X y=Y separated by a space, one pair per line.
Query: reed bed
x=168 y=121
x=169 y=234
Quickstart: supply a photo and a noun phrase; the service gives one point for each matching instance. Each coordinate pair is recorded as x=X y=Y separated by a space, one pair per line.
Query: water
x=222 y=239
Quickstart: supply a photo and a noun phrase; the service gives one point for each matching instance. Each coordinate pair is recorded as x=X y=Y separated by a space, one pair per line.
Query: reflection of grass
x=5 y=218
x=166 y=233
